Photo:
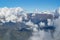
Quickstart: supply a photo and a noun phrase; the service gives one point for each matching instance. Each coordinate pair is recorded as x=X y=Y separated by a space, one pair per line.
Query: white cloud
x=11 y=18
x=47 y=12
x=42 y=24
x=10 y=14
x=30 y=23
x=37 y=11
x=58 y=10
x=16 y=11
x=50 y=22
x=19 y=19
x=13 y=14
x=57 y=30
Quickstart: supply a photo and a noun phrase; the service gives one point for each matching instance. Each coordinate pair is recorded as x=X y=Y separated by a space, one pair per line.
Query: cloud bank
x=32 y=20
x=17 y=13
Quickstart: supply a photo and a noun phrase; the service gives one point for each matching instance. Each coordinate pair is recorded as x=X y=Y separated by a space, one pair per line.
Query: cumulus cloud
x=42 y=24
x=57 y=10
x=57 y=32
x=47 y=12
x=11 y=18
x=10 y=14
x=19 y=19
x=50 y=22
x=14 y=13
x=37 y=11
x=30 y=23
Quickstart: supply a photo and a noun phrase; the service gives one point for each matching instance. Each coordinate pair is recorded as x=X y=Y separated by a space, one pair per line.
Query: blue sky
x=30 y=5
